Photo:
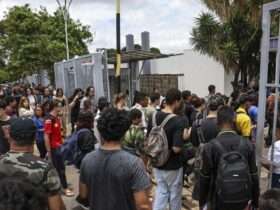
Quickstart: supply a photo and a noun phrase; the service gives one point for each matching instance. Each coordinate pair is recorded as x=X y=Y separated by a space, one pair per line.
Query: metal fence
x=81 y=72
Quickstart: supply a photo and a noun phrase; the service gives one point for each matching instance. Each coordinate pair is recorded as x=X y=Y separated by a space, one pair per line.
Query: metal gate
x=266 y=46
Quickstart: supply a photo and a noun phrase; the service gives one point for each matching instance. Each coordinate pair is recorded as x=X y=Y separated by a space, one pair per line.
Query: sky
x=168 y=21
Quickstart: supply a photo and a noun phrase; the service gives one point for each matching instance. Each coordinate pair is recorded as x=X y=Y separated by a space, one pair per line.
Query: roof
x=136 y=55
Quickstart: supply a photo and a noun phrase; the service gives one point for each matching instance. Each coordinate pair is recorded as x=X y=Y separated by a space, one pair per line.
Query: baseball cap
x=22 y=128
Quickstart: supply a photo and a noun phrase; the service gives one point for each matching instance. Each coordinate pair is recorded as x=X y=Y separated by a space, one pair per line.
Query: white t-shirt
x=276 y=157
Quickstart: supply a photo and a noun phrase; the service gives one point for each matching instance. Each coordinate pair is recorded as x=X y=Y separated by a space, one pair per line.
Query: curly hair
x=113 y=124
x=17 y=193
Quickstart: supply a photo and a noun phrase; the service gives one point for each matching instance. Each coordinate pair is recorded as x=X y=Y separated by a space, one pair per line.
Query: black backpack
x=233 y=182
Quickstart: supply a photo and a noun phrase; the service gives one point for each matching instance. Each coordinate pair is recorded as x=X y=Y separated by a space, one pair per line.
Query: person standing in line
x=212 y=92
x=75 y=102
x=62 y=102
x=5 y=121
x=20 y=161
x=102 y=106
x=270 y=200
x=53 y=142
x=227 y=160
x=189 y=108
x=274 y=161
x=120 y=101
x=133 y=140
x=153 y=106
x=243 y=121
x=11 y=108
x=111 y=178
x=199 y=107
x=89 y=95
x=140 y=103
x=31 y=98
x=39 y=123
x=47 y=97
x=169 y=177
x=202 y=132
x=24 y=109
x=38 y=96
x=20 y=194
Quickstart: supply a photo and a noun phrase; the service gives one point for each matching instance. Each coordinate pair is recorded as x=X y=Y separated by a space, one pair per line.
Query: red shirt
x=52 y=127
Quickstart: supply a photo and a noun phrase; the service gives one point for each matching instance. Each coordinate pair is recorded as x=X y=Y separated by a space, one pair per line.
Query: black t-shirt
x=209 y=129
x=174 y=131
x=75 y=111
x=189 y=109
x=112 y=177
x=4 y=144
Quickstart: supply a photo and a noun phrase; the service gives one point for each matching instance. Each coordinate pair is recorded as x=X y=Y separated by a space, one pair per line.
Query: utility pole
x=118 y=41
x=65 y=11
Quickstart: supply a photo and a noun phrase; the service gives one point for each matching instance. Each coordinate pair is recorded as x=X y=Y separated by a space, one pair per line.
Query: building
x=194 y=72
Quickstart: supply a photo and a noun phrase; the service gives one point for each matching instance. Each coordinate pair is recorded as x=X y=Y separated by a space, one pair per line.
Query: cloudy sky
x=168 y=21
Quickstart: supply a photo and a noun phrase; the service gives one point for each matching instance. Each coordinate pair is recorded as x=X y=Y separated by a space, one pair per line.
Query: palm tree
x=230 y=33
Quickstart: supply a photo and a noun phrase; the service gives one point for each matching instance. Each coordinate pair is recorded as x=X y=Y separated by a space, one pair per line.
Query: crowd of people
x=176 y=138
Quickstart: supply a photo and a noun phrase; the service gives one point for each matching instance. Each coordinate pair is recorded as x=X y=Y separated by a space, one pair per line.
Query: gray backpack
x=156 y=145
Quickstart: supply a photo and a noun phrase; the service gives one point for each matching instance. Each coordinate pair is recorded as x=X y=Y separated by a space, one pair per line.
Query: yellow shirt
x=243 y=122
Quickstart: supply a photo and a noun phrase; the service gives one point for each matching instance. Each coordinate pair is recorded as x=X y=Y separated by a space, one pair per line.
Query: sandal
x=68 y=193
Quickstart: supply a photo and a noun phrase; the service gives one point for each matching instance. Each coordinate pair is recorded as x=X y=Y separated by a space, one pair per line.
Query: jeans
x=42 y=149
x=169 y=189
x=58 y=163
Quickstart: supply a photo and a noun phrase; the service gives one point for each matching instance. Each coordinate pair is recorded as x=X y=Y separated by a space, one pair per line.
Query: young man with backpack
x=133 y=141
x=203 y=131
x=228 y=175
x=163 y=146
x=81 y=142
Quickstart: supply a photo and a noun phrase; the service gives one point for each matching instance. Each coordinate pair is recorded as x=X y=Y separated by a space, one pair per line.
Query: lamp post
x=65 y=11
x=118 y=42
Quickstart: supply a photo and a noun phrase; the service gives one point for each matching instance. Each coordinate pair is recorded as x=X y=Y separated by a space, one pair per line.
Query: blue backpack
x=70 y=150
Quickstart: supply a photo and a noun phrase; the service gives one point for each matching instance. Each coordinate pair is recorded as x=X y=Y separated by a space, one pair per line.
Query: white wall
x=199 y=72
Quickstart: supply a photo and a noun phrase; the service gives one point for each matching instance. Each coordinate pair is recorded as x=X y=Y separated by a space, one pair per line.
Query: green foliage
x=31 y=41
x=231 y=34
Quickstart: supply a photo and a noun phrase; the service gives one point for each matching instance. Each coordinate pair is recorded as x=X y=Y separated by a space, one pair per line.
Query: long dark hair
x=76 y=92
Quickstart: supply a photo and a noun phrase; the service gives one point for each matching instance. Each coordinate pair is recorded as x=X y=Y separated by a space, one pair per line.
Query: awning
x=136 y=55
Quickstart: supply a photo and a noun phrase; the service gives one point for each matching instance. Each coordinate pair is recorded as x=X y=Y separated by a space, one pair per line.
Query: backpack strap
x=200 y=135
x=165 y=121
x=242 y=144
x=154 y=121
x=218 y=144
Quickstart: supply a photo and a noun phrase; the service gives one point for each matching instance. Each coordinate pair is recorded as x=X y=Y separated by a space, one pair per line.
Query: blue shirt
x=39 y=123
x=253 y=113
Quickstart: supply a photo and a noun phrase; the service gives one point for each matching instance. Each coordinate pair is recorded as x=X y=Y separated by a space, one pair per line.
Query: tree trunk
x=235 y=81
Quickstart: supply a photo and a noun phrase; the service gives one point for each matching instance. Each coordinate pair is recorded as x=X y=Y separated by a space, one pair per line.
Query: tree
x=33 y=41
x=231 y=34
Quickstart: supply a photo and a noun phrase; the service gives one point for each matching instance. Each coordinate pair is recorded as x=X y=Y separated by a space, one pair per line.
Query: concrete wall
x=199 y=72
